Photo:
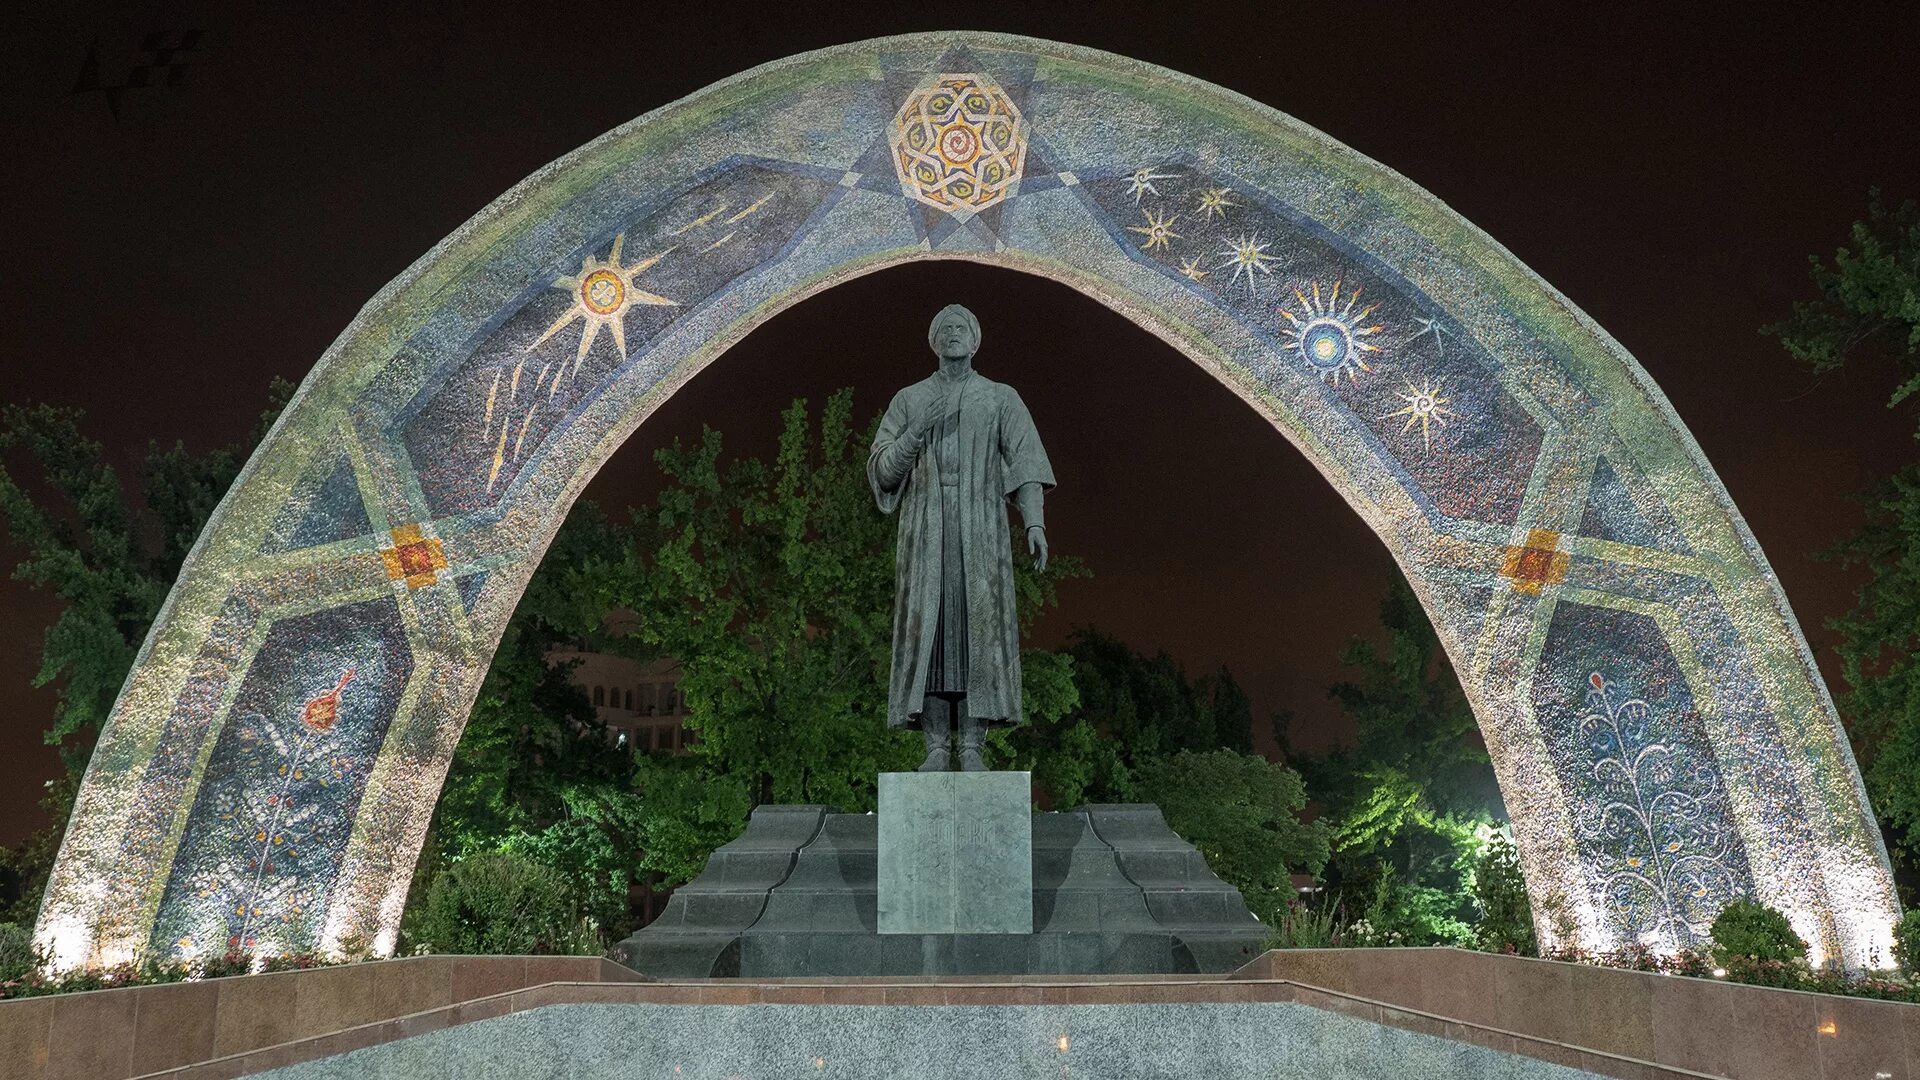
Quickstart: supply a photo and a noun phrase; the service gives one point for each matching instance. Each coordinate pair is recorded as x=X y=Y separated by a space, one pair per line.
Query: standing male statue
x=952 y=449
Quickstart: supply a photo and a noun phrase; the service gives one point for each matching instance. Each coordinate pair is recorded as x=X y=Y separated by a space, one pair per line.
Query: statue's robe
x=955 y=627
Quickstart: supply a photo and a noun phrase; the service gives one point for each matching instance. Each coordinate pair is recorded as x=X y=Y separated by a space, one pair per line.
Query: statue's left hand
x=1037 y=547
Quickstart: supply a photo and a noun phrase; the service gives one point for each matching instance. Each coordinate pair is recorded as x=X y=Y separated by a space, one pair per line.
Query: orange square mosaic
x=415 y=557
x=1536 y=564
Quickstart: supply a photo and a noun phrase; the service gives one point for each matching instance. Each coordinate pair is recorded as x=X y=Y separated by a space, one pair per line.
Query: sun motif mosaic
x=1328 y=336
x=959 y=143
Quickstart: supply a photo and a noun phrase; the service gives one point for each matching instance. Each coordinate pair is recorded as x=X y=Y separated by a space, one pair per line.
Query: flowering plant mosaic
x=1663 y=741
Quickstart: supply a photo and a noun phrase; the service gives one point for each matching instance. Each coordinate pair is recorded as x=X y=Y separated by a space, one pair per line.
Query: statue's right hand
x=923 y=424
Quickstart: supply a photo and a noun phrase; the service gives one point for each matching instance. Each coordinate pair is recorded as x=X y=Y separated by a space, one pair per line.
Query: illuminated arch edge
x=1757 y=730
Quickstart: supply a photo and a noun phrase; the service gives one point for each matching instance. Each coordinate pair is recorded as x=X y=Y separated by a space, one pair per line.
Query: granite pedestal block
x=956 y=853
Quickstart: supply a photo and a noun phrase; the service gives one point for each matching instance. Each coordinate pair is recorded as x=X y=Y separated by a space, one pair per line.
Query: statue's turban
x=972 y=323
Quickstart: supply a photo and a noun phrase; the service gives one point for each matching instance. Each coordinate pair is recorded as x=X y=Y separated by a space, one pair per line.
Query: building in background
x=641 y=706
x=640 y=703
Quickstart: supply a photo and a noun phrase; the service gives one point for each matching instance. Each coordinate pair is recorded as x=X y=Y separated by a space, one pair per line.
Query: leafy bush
x=231 y=963
x=1506 y=919
x=1301 y=926
x=1399 y=914
x=1906 y=941
x=502 y=903
x=19 y=958
x=1750 y=933
x=1241 y=811
x=294 y=961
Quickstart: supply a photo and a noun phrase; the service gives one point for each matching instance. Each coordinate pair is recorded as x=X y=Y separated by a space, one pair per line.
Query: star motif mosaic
x=1158 y=230
x=1247 y=255
x=1215 y=202
x=1425 y=407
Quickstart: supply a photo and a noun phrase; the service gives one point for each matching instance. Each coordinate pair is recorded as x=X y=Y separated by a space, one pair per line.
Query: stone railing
x=1701 y=1025
x=1614 y=1023
x=113 y=1034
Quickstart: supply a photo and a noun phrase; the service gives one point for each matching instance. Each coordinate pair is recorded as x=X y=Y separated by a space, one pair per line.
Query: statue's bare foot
x=939 y=759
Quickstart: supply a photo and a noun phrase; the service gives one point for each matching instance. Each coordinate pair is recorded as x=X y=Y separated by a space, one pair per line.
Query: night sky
x=1668 y=170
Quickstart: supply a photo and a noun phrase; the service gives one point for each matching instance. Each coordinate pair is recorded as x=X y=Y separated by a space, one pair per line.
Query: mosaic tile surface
x=1660 y=733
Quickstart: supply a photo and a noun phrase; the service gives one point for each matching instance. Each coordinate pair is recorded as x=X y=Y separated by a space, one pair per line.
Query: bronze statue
x=951 y=451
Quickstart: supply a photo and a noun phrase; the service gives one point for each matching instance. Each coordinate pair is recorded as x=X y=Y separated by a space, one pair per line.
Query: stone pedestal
x=956 y=853
x=1113 y=891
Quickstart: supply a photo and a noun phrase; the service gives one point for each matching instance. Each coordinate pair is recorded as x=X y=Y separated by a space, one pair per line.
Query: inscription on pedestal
x=956 y=853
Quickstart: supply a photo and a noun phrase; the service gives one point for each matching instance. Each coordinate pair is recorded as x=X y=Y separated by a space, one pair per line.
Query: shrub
x=501 y=903
x=1754 y=936
x=294 y=961
x=1411 y=915
x=231 y=963
x=1300 y=926
x=19 y=957
x=1906 y=941
x=1506 y=918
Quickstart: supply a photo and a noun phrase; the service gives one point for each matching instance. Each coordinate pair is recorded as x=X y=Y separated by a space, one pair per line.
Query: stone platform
x=1270 y=1040
x=1115 y=891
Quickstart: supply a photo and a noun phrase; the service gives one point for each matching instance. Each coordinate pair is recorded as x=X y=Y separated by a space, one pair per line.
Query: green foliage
x=1869 y=298
x=1241 y=812
x=1868 y=309
x=1302 y=926
x=110 y=555
x=1500 y=894
x=501 y=903
x=1098 y=710
x=32 y=860
x=1406 y=799
x=1745 y=930
x=1407 y=913
x=534 y=772
x=1906 y=941
x=1880 y=650
x=19 y=957
x=772 y=585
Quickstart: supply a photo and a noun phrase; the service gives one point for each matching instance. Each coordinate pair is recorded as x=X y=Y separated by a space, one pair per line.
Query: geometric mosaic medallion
x=959 y=143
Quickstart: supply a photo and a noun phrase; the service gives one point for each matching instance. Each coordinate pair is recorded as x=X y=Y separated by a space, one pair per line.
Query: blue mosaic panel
x=1415 y=386
x=1650 y=809
x=269 y=825
x=561 y=344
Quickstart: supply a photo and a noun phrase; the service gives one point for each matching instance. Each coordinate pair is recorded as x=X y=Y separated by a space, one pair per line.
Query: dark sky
x=1669 y=169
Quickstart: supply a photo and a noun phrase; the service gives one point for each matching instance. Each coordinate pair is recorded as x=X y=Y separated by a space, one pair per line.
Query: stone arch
x=1661 y=735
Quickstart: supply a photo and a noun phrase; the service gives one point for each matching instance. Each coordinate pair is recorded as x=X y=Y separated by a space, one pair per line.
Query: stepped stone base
x=1115 y=891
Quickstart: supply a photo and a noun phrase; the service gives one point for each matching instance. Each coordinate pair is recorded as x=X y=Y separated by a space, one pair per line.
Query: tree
x=534 y=773
x=1500 y=894
x=1407 y=797
x=772 y=585
x=1134 y=728
x=110 y=555
x=1869 y=307
x=1242 y=812
x=1117 y=710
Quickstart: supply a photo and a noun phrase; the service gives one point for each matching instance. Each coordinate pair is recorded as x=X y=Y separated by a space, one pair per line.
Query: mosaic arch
x=1661 y=735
